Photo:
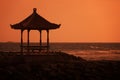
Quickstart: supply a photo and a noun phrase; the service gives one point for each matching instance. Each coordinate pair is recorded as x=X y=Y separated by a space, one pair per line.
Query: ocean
x=87 y=51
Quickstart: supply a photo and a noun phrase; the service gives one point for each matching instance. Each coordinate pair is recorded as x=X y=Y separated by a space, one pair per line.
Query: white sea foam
x=96 y=54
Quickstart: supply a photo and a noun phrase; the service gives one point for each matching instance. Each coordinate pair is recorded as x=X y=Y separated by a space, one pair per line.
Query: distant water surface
x=88 y=51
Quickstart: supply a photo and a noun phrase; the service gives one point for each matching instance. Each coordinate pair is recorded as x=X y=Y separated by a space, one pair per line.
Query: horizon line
x=60 y=42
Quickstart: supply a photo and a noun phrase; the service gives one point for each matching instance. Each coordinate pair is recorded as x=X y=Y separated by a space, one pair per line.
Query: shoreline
x=88 y=55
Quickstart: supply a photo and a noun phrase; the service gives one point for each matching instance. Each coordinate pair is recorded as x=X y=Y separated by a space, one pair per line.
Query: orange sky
x=82 y=20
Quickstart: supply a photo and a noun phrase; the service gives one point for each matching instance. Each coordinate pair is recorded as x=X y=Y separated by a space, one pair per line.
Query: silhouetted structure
x=35 y=22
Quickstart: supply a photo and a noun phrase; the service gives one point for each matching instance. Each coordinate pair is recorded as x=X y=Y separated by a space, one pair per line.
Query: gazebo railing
x=33 y=48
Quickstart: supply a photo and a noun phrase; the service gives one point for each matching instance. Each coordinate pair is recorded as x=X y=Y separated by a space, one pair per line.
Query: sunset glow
x=81 y=20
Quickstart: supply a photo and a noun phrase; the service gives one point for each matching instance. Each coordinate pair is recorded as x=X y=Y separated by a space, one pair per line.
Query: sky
x=81 y=20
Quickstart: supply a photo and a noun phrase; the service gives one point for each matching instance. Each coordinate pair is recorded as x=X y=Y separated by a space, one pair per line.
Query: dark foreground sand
x=56 y=66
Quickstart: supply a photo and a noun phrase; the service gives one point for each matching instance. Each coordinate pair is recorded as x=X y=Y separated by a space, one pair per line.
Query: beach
x=56 y=66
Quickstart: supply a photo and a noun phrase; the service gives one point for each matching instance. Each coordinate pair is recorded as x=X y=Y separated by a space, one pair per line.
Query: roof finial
x=34 y=9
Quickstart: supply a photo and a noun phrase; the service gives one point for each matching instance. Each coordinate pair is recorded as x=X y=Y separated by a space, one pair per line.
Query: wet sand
x=56 y=66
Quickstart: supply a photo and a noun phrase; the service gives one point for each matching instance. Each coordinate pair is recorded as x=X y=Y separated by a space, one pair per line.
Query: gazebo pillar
x=21 y=41
x=47 y=40
x=28 y=41
x=40 y=39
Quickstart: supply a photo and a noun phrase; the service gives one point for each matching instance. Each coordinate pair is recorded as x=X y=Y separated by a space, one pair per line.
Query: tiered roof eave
x=35 y=22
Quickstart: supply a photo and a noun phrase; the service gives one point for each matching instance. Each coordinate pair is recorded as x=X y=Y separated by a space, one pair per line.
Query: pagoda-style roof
x=35 y=22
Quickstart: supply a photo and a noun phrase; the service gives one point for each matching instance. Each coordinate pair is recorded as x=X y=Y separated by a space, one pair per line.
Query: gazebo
x=35 y=22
